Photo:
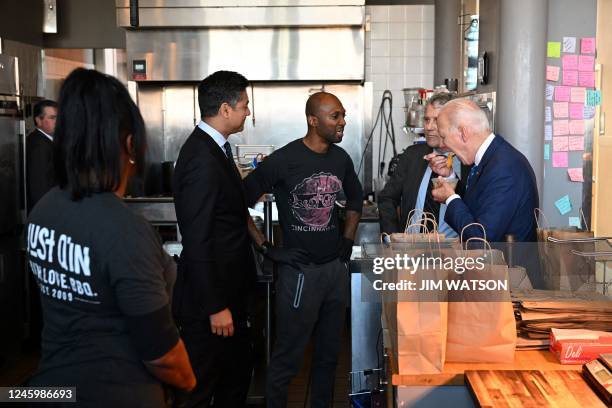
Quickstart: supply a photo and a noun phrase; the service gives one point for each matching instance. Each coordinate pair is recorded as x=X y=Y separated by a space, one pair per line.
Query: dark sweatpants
x=320 y=313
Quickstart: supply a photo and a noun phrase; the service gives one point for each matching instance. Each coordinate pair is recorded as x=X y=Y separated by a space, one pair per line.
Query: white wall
x=399 y=54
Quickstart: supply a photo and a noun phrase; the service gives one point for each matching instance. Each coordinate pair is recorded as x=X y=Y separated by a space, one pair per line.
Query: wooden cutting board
x=530 y=388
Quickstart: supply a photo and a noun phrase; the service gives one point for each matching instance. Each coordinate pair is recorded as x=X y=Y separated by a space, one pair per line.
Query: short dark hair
x=39 y=108
x=218 y=88
x=95 y=116
x=440 y=99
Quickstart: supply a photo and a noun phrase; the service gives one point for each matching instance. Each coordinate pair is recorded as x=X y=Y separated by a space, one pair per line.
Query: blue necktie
x=473 y=172
x=228 y=152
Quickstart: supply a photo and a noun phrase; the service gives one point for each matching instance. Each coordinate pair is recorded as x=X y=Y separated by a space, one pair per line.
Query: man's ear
x=224 y=110
x=37 y=121
x=462 y=134
x=312 y=120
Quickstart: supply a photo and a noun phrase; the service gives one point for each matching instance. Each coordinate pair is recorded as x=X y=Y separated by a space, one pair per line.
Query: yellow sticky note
x=554 y=49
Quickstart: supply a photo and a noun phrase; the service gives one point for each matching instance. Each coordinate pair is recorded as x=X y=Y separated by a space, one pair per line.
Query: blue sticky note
x=574 y=222
x=564 y=205
x=547 y=151
x=593 y=97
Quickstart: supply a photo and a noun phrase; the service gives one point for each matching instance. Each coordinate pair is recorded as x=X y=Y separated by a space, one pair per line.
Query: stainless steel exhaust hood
x=265 y=40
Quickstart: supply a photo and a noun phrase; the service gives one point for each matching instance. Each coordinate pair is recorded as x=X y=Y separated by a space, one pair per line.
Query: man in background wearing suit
x=501 y=191
x=410 y=186
x=40 y=173
x=216 y=267
x=40 y=178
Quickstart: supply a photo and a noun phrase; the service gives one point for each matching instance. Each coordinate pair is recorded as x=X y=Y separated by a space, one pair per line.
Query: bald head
x=463 y=126
x=317 y=100
x=325 y=117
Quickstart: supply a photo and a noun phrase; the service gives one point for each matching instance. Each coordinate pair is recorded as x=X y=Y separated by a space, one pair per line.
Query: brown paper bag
x=481 y=331
x=415 y=330
x=560 y=268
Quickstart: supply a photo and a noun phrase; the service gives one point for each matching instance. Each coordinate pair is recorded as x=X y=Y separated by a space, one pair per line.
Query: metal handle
x=602 y=123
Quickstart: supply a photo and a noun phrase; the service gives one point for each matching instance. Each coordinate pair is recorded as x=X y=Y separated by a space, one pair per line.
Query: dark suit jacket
x=216 y=267
x=403 y=187
x=501 y=196
x=40 y=173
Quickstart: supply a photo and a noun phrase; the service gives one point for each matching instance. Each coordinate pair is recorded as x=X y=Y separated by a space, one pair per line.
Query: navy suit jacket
x=501 y=196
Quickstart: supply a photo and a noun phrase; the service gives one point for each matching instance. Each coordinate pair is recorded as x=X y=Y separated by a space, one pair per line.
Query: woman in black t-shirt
x=104 y=278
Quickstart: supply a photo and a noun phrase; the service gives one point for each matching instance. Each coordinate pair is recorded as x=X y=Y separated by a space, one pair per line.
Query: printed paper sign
x=564 y=205
x=548 y=132
x=569 y=44
x=588 y=112
x=560 y=144
x=575 y=174
x=561 y=110
x=587 y=45
x=593 y=97
x=576 y=127
x=574 y=222
x=562 y=93
x=576 y=143
x=553 y=49
x=576 y=110
x=569 y=62
x=586 y=79
x=570 y=78
x=560 y=127
x=559 y=159
x=550 y=90
x=552 y=73
x=578 y=95
x=586 y=63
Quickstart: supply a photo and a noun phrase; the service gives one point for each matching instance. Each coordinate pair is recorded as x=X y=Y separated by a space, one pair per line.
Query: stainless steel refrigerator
x=12 y=278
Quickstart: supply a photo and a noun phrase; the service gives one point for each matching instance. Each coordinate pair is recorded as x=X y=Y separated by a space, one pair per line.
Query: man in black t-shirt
x=306 y=177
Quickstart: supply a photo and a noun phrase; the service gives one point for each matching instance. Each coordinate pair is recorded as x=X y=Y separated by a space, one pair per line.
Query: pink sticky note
x=575 y=174
x=560 y=109
x=586 y=63
x=560 y=144
x=569 y=62
x=552 y=73
x=587 y=45
x=576 y=110
x=559 y=159
x=578 y=95
x=562 y=93
x=576 y=143
x=576 y=127
x=560 y=127
x=570 y=78
x=586 y=78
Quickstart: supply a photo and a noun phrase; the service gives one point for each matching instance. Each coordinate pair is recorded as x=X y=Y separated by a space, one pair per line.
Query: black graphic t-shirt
x=306 y=185
x=96 y=264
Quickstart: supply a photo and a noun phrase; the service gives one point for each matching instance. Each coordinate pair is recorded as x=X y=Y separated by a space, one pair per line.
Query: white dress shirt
x=46 y=134
x=214 y=133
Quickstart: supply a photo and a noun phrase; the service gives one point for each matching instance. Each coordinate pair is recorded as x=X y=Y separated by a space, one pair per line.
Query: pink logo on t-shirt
x=312 y=201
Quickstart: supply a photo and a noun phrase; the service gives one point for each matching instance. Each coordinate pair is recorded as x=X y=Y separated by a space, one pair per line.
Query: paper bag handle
x=425 y=215
x=485 y=245
x=473 y=224
x=537 y=212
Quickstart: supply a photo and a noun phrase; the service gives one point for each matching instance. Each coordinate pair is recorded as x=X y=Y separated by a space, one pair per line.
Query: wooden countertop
x=454 y=373
x=530 y=388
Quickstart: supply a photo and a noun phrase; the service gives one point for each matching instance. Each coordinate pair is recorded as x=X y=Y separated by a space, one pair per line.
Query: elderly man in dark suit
x=409 y=187
x=40 y=172
x=501 y=191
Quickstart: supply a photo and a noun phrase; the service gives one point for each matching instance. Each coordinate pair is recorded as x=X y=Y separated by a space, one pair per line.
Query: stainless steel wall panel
x=170 y=113
x=244 y=16
x=263 y=54
x=238 y=3
x=179 y=118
